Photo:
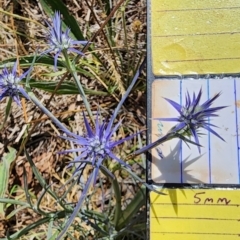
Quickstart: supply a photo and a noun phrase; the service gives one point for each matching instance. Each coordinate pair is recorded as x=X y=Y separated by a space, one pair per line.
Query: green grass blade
x=27 y=194
x=12 y=201
x=5 y=164
x=65 y=88
x=26 y=61
x=117 y=192
x=136 y=203
x=53 y=237
x=15 y=211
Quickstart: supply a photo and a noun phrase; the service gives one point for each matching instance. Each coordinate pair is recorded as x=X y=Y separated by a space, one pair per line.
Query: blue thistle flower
x=194 y=116
x=9 y=84
x=97 y=145
x=59 y=40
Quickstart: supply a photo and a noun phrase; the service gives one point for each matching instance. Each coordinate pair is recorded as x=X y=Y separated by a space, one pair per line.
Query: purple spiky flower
x=97 y=145
x=194 y=115
x=9 y=84
x=60 y=40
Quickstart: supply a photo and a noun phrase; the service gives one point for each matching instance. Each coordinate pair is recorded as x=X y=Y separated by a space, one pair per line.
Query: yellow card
x=195 y=214
x=195 y=37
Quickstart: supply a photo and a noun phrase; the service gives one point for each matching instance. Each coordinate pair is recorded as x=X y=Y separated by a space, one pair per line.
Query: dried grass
x=21 y=32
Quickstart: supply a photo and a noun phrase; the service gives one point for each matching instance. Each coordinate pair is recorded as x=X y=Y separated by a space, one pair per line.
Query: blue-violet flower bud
x=59 y=40
x=9 y=84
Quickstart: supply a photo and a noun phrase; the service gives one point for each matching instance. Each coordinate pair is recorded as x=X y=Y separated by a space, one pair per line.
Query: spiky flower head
x=60 y=40
x=9 y=84
x=194 y=116
x=98 y=145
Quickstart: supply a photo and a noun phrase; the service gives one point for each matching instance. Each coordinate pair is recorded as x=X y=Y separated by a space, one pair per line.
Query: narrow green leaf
x=5 y=164
x=96 y=216
x=53 y=237
x=38 y=208
x=27 y=194
x=117 y=192
x=26 y=61
x=12 y=201
x=30 y=72
x=65 y=88
x=133 y=207
x=15 y=211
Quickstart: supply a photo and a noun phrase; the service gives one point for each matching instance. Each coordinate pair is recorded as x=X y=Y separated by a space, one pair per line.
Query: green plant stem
x=116 y=188
x=73 y=72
